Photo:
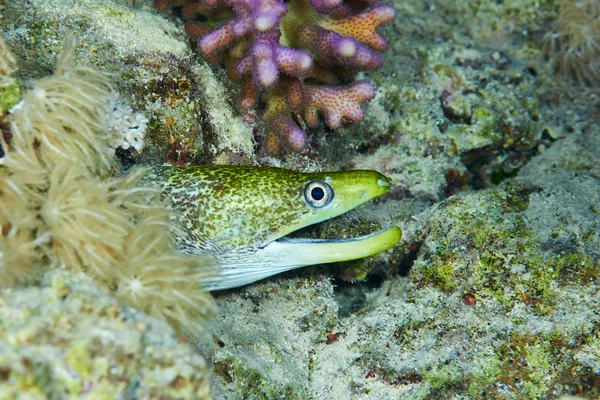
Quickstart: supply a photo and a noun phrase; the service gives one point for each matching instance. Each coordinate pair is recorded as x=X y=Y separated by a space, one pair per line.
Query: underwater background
x=485 y=116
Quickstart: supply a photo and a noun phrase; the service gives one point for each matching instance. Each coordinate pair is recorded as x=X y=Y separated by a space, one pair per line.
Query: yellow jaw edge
x=243 y=268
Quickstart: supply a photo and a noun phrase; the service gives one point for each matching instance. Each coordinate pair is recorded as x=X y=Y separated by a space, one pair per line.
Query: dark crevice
x=352 y=297
x=406 y=261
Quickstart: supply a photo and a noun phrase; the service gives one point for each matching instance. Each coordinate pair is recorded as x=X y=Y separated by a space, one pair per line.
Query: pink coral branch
x=219 y=39
x=286 y=130
x=274 y=51
x=332 y=48
x=265 y=60
x=363 y=27
x=338 y=104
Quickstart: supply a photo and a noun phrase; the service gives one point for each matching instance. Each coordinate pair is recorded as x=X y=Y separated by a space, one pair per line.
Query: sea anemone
x=20 y=234
x=64 y=116
x=88 y=229
x=154 y=279
x=60 y=207
x=573 y=45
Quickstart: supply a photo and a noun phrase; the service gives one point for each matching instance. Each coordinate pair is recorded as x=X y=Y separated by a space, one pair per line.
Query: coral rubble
x=68 y=338
x=292 y=55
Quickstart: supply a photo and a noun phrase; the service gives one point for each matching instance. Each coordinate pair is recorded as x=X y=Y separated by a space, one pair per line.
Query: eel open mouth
x=240 y=216
x=285 y=254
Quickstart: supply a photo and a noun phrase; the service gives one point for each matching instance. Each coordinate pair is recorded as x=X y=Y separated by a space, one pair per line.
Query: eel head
x=240 y=216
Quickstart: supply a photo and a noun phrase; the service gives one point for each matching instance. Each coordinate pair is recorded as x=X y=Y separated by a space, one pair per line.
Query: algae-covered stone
x=522 y=259
x=262 y=344
x=154 y=67
x=515 y=242
x=502 y=302
x=9 y=96
x=69 y=339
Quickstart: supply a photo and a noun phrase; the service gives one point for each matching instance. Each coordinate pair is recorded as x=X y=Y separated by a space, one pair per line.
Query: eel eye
x=318 y=194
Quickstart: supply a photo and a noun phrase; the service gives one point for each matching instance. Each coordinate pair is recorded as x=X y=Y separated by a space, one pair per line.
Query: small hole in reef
x=125 y=156
x=531 y=71
x=352 y=297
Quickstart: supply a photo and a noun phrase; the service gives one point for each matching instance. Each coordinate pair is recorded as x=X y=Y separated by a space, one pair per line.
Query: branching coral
x=58 y=207
x=574 y=43
x=293 y=56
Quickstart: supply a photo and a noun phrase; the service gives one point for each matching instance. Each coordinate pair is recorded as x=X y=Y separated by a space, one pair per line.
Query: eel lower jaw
x=323 y=251
x=286 y=254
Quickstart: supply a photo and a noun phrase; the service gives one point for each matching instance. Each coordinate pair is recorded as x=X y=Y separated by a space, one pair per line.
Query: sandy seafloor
x=492 y=292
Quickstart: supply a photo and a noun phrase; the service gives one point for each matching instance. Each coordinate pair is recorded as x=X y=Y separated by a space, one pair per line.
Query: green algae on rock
x=521 y=324
x=190 y=116
x=507 y=254
x=519 y=250
x=68 y=338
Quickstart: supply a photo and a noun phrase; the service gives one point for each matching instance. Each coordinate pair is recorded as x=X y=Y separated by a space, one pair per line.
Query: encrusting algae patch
x=65 y=338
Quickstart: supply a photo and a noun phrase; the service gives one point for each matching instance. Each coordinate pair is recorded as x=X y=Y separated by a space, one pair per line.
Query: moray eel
x=240 y=216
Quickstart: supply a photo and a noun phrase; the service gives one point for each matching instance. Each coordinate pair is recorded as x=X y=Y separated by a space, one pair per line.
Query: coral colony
x=292 y=57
